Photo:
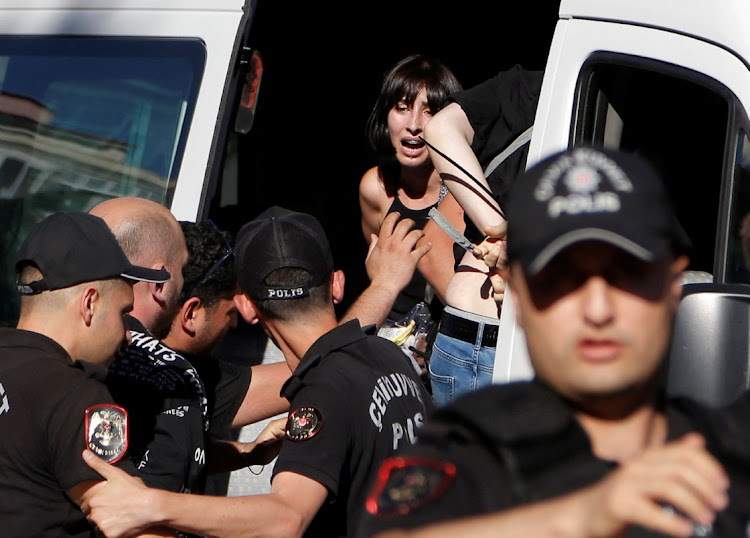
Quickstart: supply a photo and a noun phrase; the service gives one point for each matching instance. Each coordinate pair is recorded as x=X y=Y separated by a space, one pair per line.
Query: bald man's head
x=150 y=236
x=145 y=229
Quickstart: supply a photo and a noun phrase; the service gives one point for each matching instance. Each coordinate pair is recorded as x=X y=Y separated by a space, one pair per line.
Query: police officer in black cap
x=76 y=287
x=592 y=446
x=354 y=399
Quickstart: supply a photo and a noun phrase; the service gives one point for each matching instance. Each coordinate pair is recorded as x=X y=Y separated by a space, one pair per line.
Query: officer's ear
x=189 y=313
x=158 y=290
x=246 y=308
x=337 y=286
x=677 y=267
x=88 y=302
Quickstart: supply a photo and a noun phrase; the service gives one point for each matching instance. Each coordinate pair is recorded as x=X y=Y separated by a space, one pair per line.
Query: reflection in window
x=84 y=120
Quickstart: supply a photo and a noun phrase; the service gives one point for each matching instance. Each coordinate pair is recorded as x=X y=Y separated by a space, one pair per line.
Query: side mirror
x=252 y=64
x=709 y=360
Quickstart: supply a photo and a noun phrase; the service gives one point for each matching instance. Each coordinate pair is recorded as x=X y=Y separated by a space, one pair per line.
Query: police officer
x=76 y=286
x=162 y=389
x=592 y=446
x=355 y=399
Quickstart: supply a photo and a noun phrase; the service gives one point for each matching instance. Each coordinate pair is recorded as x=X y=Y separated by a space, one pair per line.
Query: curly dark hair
x=404 y=81
x=206 y=246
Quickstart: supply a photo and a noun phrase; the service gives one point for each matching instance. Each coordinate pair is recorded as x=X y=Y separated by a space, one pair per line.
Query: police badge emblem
x=106 y=430
x=303 y=424
x=404 y=484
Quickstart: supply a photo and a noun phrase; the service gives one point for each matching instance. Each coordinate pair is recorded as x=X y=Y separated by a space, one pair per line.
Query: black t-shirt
x=354 y=399
x=506 y=446
x=43 y=399
x=499 y=110
x=168 y=409
x=415 y=290
x=226 y=385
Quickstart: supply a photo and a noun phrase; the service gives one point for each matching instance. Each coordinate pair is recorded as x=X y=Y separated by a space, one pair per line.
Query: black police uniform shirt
x=43 y=399
x=506 y=446
x=499 y=110
x=354 y=400
x=168 y=409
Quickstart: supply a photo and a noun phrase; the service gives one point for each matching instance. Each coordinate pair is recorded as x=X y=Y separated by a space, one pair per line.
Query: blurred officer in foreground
x=592 y=446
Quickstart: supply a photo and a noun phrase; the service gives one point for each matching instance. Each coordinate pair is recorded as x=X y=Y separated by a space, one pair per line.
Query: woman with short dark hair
x=405 y=180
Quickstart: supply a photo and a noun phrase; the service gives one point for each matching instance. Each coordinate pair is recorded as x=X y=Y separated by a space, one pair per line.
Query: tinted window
x=738 y=258
x=83 y=120
x=675 y=118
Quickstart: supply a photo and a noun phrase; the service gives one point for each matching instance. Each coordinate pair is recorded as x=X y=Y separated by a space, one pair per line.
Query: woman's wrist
x=248 y=458
x=247 y=452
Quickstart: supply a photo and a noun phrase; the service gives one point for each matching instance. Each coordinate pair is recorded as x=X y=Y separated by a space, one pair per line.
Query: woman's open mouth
x=412 y=147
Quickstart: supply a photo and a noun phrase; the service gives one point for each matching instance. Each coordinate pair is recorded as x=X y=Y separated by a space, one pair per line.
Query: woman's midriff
x=469 y=288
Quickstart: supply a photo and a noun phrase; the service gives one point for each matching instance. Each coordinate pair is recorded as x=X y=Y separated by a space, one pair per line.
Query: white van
x=670 y=80
x=103 y=98
x=106 y=98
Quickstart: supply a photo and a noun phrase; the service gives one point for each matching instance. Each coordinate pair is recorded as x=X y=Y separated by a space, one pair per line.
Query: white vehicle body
x=214 y=22
x=701 y=36
x=601 y=54
x=159 y=115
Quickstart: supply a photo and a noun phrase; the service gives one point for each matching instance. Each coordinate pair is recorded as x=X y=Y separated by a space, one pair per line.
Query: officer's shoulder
x=506 y=413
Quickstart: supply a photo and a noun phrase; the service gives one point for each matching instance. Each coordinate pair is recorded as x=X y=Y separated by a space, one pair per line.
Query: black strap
x=487 y=191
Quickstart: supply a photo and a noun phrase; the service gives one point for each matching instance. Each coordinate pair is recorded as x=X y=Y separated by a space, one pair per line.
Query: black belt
x=466 y=330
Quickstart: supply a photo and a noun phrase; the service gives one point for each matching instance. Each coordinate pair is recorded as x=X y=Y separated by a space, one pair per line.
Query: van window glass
x=83 y=120
x=672 y=117
x=738 y=262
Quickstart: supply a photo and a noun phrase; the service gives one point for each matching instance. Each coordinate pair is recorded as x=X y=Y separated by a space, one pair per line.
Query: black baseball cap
x=279 y=238
x=588 y=193
x=70 y=248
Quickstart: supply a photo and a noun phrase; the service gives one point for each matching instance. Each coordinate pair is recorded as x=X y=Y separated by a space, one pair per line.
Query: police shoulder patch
x=304 y=423
x=406 y=483
x=106 y=430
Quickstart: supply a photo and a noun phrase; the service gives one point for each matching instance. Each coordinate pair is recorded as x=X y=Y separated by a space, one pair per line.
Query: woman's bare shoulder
x=371 y=189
